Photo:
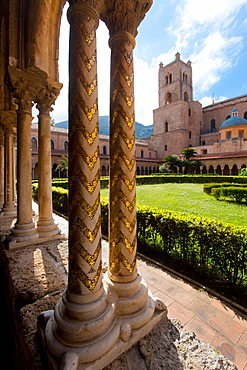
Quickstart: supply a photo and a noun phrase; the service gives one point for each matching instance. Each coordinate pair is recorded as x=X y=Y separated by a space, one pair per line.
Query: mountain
x=142 y=131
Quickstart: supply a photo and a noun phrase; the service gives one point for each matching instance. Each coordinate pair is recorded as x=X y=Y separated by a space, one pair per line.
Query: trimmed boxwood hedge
x=218 y=249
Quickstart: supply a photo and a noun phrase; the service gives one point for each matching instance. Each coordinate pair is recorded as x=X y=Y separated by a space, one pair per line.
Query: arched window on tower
x=166 y=80
x=213 y=127
x=168 y=98
x=166 y=126
x=227 y=117
x=104 y=150
x=170 y=78
x=142 y=154
x=186 y=96
x=52 y=145
x=189 y=112
x=245 y=115
x=34 y=143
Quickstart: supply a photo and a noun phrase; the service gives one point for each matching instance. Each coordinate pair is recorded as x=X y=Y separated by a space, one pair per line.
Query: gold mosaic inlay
x=128 y=79
x=78 y=200
x=120 y=175
x=89 y=87
x=78 y=224
x=78 y=274
x=120 y=111
x=127 y=56
x=121 y=259
x=122 y=239
x=88 y=37
x=89 y=136
x=78 y=249
x=128 y=141
x=120 y=90
x=78 y=175
x=130 y=163
x=120 y=196
x=90 y=161
x=120 y=217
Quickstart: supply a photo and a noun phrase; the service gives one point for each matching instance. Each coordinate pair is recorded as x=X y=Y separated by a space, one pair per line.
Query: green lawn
x=191 y=199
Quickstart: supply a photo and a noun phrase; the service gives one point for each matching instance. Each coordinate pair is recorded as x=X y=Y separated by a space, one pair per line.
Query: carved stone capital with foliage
x=124 y=15
x=92 y=7
x=8 y=122
x=33 y=86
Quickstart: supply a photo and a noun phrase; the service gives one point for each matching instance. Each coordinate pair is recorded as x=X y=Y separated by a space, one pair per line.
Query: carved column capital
x=124 y=15
x=33 y=86
x=8 y=121
x=91 y=7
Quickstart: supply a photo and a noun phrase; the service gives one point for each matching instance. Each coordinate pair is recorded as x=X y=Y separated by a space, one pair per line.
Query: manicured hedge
x=207 y=188
x=216 y=248
x=194 y=179
x=238 y=194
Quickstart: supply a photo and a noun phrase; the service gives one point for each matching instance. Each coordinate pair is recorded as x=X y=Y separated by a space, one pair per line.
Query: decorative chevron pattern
x=120 y=217
x=79 y=250
x=77 y=174
x=89 y=112
x=120 y=175
x=128 y=78
x=89 y=87
x=89 y=136
x=122 y=239
x=84 y=197
x=90 y=161
x=120 y=90
x=120 y=111
x=78 y=274
x=130 y=163
x=121 y=133
x=121 y=259
x=88 y=37
x=122 y=162
x=78 y=224
x=78 y=199
x=121 y=196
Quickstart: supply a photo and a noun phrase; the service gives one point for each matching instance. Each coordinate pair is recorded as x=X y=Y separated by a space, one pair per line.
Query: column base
x=105 y=346
x=47 y=228
x=22 y=235
x=9 y=211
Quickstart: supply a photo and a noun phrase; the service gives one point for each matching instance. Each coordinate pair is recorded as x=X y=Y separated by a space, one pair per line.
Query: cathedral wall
x=220 y=111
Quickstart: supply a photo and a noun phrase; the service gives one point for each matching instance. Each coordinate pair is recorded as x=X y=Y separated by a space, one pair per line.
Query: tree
x=171 y=161
x=188 y=153
x=189 y=161
x=64 y=165
x=164 y=169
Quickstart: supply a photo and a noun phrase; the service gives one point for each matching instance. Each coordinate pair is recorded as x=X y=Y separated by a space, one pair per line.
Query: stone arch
x=229 y=116
x=213 y=125
x=170 y=78
x=146 y=171
x=198 y=170
x=138 y=170
x=142 y=153
x=204 y=170
x=104 y=150
x=234 y=171
x=186 y=96
x=150 y=170
x=219 y=170
x=211 y=169
x=226 y=170
x=35 y=171
x=243 y=166
x=168 y=98
x=103 y=170
x=142 y=170
x=55 y=172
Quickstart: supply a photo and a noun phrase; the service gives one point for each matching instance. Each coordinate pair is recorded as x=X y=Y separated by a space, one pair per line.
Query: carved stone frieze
x=124 y=15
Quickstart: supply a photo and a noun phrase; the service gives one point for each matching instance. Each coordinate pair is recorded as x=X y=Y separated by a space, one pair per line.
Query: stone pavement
x=211 y=319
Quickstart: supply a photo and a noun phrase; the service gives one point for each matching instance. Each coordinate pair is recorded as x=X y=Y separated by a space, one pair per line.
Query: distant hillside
x=142 y=131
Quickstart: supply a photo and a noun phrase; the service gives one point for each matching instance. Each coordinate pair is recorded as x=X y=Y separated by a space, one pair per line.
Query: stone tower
x=178 y=119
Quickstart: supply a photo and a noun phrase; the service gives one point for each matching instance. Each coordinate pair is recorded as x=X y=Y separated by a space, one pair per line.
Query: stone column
x=46 y=226
x=82 y=329
x=24 y=230
x=1 y=166
x=134 y=303
x=8 y=120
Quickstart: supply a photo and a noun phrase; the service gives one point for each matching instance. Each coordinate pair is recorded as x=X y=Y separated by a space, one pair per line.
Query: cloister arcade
x=96 y=319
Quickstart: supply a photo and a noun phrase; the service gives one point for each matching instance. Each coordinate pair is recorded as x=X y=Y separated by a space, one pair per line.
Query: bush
x=238 y=194
x=216 y=248
x=207 y=188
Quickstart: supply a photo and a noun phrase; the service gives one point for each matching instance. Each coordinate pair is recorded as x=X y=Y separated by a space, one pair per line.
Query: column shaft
x=122 y=161
x=24 y=228
x=1 y=167
x=46 y=226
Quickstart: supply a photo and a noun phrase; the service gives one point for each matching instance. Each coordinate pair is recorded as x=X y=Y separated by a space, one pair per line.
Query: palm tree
x=171 y=161
x=188 y=153
x=64 y=165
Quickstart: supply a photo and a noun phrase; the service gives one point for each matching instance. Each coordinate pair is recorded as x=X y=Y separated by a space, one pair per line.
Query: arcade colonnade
x=96 y=319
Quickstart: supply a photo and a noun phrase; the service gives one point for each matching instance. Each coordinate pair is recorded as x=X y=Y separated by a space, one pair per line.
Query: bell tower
x=177 y=120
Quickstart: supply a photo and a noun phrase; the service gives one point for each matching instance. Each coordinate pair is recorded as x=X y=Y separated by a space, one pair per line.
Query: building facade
x=180 y=122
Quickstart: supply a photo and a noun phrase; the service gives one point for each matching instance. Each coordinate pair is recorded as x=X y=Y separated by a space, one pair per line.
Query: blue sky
x=212 y=34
